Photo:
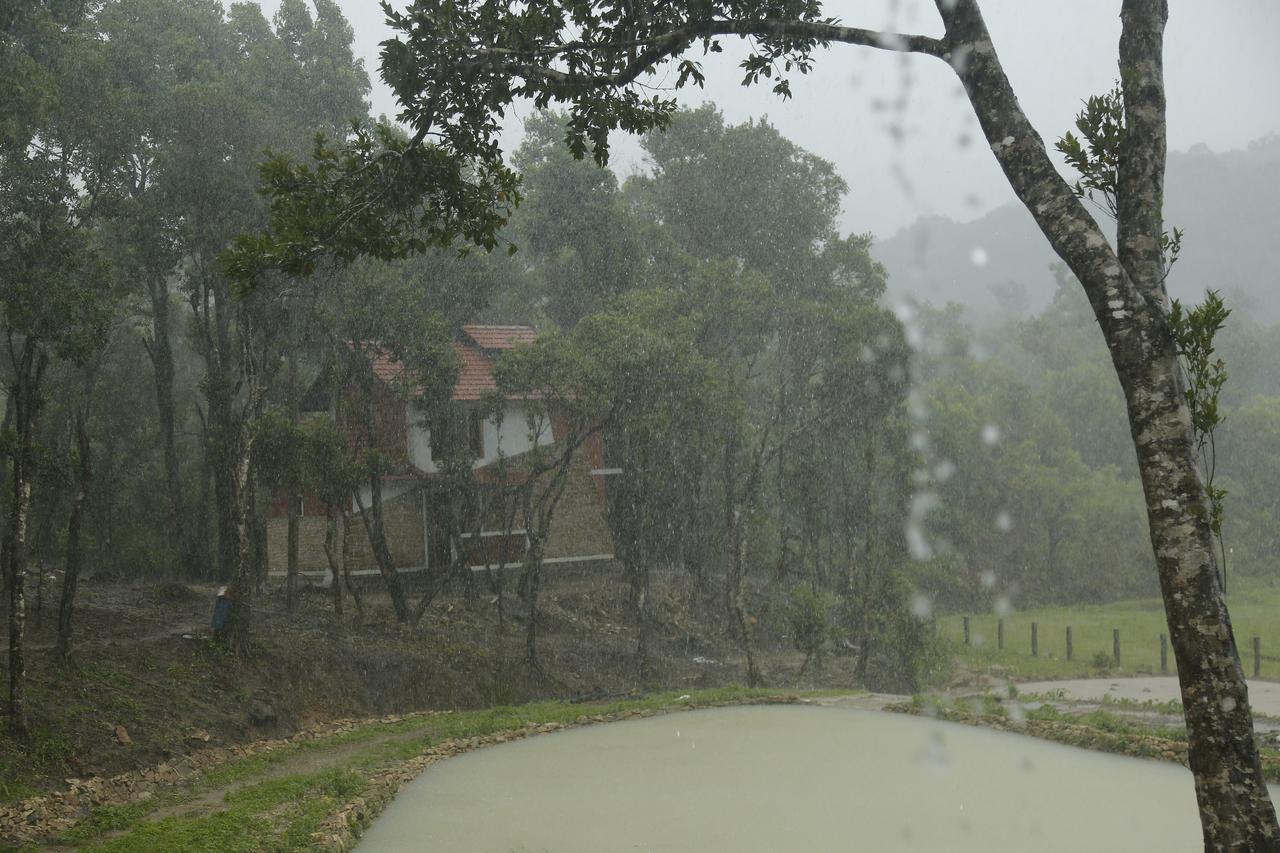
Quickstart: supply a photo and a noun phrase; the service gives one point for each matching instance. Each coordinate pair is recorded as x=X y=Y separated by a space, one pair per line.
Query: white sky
x=1222 y=74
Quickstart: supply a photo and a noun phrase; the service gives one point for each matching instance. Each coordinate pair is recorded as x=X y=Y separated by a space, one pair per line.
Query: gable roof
x=477 y=348
x=499 y=337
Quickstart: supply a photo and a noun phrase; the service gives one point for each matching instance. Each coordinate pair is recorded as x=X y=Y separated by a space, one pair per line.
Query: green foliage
x=373 y=194
x=1097 y=158
x=1204 y=375
x=809 y=619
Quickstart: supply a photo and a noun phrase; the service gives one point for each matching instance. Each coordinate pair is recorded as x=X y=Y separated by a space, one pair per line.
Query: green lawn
x=1255 y=612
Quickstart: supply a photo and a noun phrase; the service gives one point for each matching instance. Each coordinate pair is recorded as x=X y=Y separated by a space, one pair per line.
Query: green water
x=786 y=778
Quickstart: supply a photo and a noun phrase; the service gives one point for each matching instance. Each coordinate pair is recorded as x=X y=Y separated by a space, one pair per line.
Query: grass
x=280 y=813
x=1253 y=606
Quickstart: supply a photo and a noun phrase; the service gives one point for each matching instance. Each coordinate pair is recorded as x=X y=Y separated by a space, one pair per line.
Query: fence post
x=966 y=630
x=1000 y=634
x=1069 y=647
x=1035 y=641
x=1115 y=644
x=1164 y=653
x=1257 y=657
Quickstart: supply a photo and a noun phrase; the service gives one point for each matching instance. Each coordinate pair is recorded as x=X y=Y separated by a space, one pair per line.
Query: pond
x=787 y=778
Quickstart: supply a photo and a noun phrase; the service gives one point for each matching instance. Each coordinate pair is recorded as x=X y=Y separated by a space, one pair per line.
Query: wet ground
x=1264 y=696
x=790 y=778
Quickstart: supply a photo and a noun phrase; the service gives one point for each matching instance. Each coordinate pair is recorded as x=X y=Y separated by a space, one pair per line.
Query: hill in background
x=1228 y=205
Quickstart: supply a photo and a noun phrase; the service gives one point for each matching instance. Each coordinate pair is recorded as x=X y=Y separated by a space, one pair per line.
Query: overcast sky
x=1222 y=74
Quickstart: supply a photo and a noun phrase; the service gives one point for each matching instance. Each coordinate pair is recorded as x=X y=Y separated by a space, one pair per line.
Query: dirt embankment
x=147 y=688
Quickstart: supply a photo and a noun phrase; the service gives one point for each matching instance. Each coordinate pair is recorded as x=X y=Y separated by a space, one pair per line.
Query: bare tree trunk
x=1126 y=290
x=75 y=556
x=243 y=579
x=294 y=499
x=352 y=589
x=332 y=552
x=29 y=365
x=160 y=349
x=374 y=527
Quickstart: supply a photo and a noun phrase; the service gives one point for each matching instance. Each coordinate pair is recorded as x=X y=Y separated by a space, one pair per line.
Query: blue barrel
x=221 y=612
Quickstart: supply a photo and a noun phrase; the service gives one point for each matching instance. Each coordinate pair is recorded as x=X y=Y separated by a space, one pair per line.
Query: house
x=414 y=511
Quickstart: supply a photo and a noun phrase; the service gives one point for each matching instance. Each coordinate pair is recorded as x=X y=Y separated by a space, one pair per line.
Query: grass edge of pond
x=252 y=818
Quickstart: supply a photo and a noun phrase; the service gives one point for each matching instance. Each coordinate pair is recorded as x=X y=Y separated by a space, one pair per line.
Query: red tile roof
x=475 y=379
x=500 y=337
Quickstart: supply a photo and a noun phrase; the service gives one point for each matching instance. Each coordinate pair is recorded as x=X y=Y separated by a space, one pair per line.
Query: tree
x=56 y=185
x=455 y=66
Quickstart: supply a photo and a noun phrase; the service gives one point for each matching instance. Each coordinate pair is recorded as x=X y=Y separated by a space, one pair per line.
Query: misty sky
x=1221 y=71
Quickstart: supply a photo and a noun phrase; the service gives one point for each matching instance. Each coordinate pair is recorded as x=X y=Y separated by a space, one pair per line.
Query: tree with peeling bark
x=456 y=66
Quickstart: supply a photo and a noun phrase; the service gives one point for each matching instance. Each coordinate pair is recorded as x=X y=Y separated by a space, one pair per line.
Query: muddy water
x=789 y=779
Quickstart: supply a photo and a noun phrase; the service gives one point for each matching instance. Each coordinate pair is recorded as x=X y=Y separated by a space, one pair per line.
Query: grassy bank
x=1101 y=730
x=1253 y=609
x=286 y=799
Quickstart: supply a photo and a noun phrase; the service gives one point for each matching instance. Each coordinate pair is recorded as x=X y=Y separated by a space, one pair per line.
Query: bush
x=809 y=616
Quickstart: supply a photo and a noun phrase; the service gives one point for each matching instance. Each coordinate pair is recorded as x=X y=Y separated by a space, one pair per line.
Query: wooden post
x=1164 y=653
x=1257 y=657
x=1069 y=647
x=1115 y=644
x=1000 y=634
x=1035 y=641
x=966 y=630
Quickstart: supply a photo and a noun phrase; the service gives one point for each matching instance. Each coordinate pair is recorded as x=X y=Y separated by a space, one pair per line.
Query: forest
x=821 y=462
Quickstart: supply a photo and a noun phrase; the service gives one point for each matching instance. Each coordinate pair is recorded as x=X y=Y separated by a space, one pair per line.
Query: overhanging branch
x=661 y=46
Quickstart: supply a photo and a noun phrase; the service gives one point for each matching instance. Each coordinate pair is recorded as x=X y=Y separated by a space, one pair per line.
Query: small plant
x=1102 y=660
x=809 y=615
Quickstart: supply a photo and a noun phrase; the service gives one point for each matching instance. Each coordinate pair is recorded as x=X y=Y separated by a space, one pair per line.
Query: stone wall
x=402 y=517
x=578 y=528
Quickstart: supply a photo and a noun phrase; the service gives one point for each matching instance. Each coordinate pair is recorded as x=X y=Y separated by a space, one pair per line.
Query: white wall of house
x=509 y=437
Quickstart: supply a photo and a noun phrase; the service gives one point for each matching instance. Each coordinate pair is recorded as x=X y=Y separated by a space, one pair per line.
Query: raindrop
x=1003 y=607
x=988 y=579
x=919 y=441
x=891 y=41
x=1228 y=704
x=1004 y=521
x=921 y=606
x=990 y=435
x=943 y=470
x=917 y=543
x=935 y=754
x=1017 y=714
x=978 y=257
x=916 y=407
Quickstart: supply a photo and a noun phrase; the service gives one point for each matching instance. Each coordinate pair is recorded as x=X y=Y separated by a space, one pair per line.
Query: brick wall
x=578 y=528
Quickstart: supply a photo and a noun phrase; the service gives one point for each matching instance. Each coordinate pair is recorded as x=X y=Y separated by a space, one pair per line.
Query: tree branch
x=663 y=46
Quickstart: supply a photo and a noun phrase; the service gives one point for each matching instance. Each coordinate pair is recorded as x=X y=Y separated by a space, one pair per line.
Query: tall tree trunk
x=372 y=516
x=294 y=499
x=1126 y=290
x=29 y=365
x=160 y=349
x=352 y=589
x=374 y=526
x=332 y=551
x=75 y=554
x=243 y=577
